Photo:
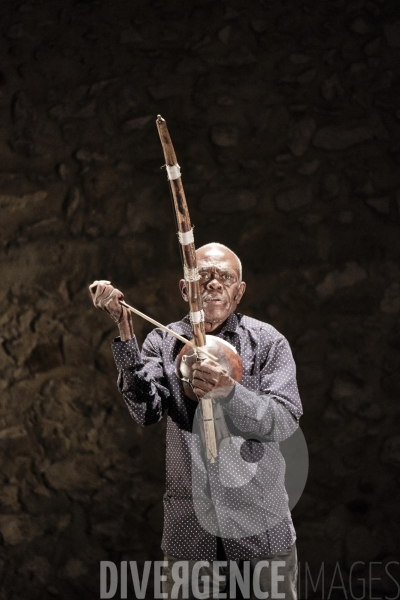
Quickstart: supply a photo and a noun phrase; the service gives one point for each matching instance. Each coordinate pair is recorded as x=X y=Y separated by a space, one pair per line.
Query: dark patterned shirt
x=241 y=498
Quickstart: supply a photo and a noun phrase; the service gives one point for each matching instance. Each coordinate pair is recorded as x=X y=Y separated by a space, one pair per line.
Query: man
x=247 y=516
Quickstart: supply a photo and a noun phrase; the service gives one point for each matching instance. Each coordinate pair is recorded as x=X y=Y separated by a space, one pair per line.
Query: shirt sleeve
x=141 y=378
x=273 y=413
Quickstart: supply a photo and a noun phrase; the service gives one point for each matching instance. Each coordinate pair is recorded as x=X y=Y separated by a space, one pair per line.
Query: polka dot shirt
x=241 y=497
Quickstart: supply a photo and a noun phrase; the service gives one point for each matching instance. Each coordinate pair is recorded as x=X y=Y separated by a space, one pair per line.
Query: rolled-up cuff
x=234 y=402
x=224 y=401
x=126 y=354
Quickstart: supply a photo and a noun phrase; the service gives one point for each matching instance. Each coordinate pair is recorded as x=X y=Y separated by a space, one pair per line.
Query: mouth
x=213 y=299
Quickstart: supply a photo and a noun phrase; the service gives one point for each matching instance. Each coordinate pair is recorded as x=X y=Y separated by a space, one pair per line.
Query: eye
x=226 y=276
x=204 y=274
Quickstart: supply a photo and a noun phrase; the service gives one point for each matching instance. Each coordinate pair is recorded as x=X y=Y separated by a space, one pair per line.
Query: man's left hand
x=211 y=379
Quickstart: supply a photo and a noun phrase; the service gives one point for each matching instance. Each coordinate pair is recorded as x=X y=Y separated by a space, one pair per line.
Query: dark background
x=285 y=117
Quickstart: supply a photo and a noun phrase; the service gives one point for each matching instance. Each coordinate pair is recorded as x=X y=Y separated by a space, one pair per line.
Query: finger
x=199 y=376
x=93 y=287
x=114 y=300
x=202 y=385
x=103 y=293
x=118 y=294
x=203 y=380
x=207 y=377
x=202 y=376
x=207 y=362
x=205 y=372
x=104 y=282
x=112 y=304
x=199 y=393
x=203 y=366
x=210 y=362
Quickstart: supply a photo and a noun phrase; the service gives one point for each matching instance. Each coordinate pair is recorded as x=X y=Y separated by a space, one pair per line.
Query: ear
x=183 y=288
x=241 y=291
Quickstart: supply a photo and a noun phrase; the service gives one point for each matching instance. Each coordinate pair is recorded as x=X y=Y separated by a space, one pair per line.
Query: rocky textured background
x=286 y=120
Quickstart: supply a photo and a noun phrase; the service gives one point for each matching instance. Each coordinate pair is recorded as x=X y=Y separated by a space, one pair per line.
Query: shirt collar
x=231 y=324
x=184 y=327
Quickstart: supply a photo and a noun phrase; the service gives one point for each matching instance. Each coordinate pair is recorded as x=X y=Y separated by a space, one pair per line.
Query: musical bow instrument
x=201 y=344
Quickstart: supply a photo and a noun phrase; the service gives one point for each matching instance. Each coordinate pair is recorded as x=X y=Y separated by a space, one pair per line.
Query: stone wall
x=286 y=120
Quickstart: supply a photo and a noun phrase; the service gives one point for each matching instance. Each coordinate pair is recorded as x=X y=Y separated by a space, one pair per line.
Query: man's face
x=220 y=287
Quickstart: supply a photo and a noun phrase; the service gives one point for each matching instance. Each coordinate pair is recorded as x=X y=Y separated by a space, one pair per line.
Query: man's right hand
x=107 y=298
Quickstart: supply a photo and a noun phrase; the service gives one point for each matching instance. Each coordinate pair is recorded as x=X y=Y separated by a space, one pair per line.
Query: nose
x=214 y=284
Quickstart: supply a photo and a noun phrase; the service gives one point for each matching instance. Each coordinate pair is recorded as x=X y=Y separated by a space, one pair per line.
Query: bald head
x=214 y=250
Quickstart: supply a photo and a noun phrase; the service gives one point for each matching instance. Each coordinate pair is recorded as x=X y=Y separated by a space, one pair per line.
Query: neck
x=213 y=327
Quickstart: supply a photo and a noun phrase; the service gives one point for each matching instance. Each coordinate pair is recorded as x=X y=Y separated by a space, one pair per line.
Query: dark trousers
x=272 y=577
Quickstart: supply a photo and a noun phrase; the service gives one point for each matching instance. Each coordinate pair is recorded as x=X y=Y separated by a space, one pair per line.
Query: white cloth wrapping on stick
x=173 y=171
x=196 y=317
x=186 y=237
